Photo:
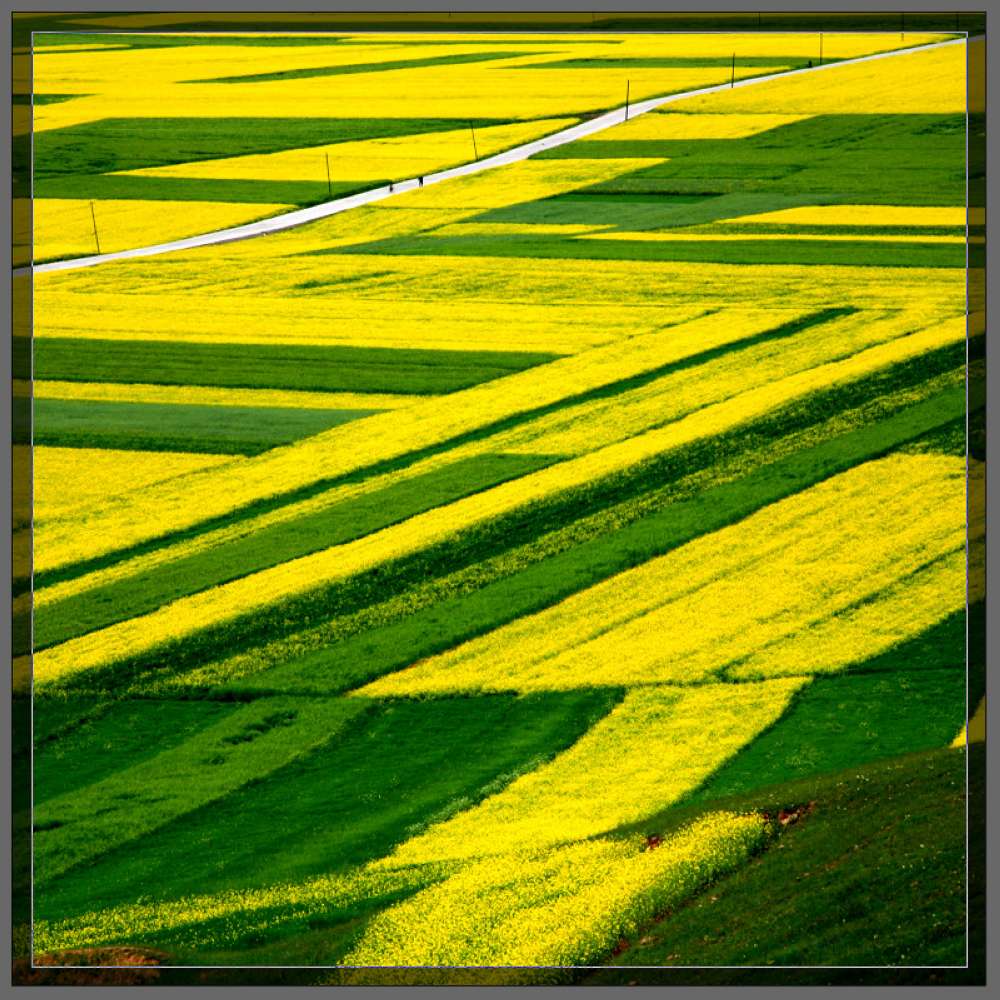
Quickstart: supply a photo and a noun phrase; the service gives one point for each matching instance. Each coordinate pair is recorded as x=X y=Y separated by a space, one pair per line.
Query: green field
x=263 y=366
x=567 y=573
x=237 y=430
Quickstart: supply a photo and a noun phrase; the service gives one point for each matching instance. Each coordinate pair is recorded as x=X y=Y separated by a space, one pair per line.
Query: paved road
x=278 y=223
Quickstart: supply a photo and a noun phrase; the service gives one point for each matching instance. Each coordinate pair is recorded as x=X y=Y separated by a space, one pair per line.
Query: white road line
x=299 y=217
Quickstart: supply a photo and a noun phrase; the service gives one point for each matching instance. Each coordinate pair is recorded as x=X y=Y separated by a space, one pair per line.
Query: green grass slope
x=874 y=874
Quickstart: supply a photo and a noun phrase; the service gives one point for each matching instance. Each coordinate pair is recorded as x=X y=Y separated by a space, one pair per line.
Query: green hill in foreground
x=872 y=875
x=871 y=872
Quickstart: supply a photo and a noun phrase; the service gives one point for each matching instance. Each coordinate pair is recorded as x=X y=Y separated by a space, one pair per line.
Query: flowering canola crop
x=658 y=744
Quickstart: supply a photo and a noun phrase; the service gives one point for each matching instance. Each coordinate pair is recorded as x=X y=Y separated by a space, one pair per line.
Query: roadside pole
x=93 y=219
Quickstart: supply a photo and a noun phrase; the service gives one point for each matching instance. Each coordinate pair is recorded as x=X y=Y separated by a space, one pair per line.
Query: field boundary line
x=299 y=217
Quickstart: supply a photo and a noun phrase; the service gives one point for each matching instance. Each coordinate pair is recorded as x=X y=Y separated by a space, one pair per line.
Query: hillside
x=480 y=576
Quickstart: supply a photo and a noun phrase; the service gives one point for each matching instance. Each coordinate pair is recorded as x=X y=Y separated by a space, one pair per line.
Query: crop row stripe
x=570 y=429
x=696 y=609
x=249 y=594
x=341 y=451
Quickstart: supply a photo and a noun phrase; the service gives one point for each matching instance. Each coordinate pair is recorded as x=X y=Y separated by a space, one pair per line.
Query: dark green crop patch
x=227 y=430
x=415 y=371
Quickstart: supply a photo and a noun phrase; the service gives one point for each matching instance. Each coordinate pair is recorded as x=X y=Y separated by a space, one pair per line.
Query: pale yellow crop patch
x=858 y=215
x=64 y=227
x=67 y=479
x=317 y=315
x=931 y=82
x=668 y=124
x=900 y=611
x=674 y=236
x=517 y=183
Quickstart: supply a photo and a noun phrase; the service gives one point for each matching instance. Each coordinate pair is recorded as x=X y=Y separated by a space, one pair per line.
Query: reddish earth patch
x=68 y=968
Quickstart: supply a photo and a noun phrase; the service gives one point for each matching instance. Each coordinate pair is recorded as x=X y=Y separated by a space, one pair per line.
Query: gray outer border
x=720 y=6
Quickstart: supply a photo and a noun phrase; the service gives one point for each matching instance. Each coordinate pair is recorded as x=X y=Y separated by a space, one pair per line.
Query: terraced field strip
x=138 y=392
x=191 y=427
x=522 y=152
x=249 y=551
x=333 y=368
x=385 y=438
x=253 y=593
x=679 y=618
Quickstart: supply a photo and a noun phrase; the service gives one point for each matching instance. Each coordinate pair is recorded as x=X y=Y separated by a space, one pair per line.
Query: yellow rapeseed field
x=931 y=82
x=66 y=479
x=670 y=124
x=396 y=158
x=138 y=392
x=64 y=227
x=165 y=82
x=241 y=597
x=859 y=215
x=671 y=645
x=387 y=436
x=686 y=615
x=658 y=744
x=562 y=907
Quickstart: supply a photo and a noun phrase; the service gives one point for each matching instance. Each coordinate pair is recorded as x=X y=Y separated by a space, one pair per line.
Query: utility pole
x=821 y=48
x=732 y=78
x=474 y=149
x=902 y=24
x=329 y=186
x=627 y=85
x=93 y=219
x=758 y=21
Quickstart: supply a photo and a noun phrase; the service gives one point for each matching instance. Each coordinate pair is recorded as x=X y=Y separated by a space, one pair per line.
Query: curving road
x=288 y=220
